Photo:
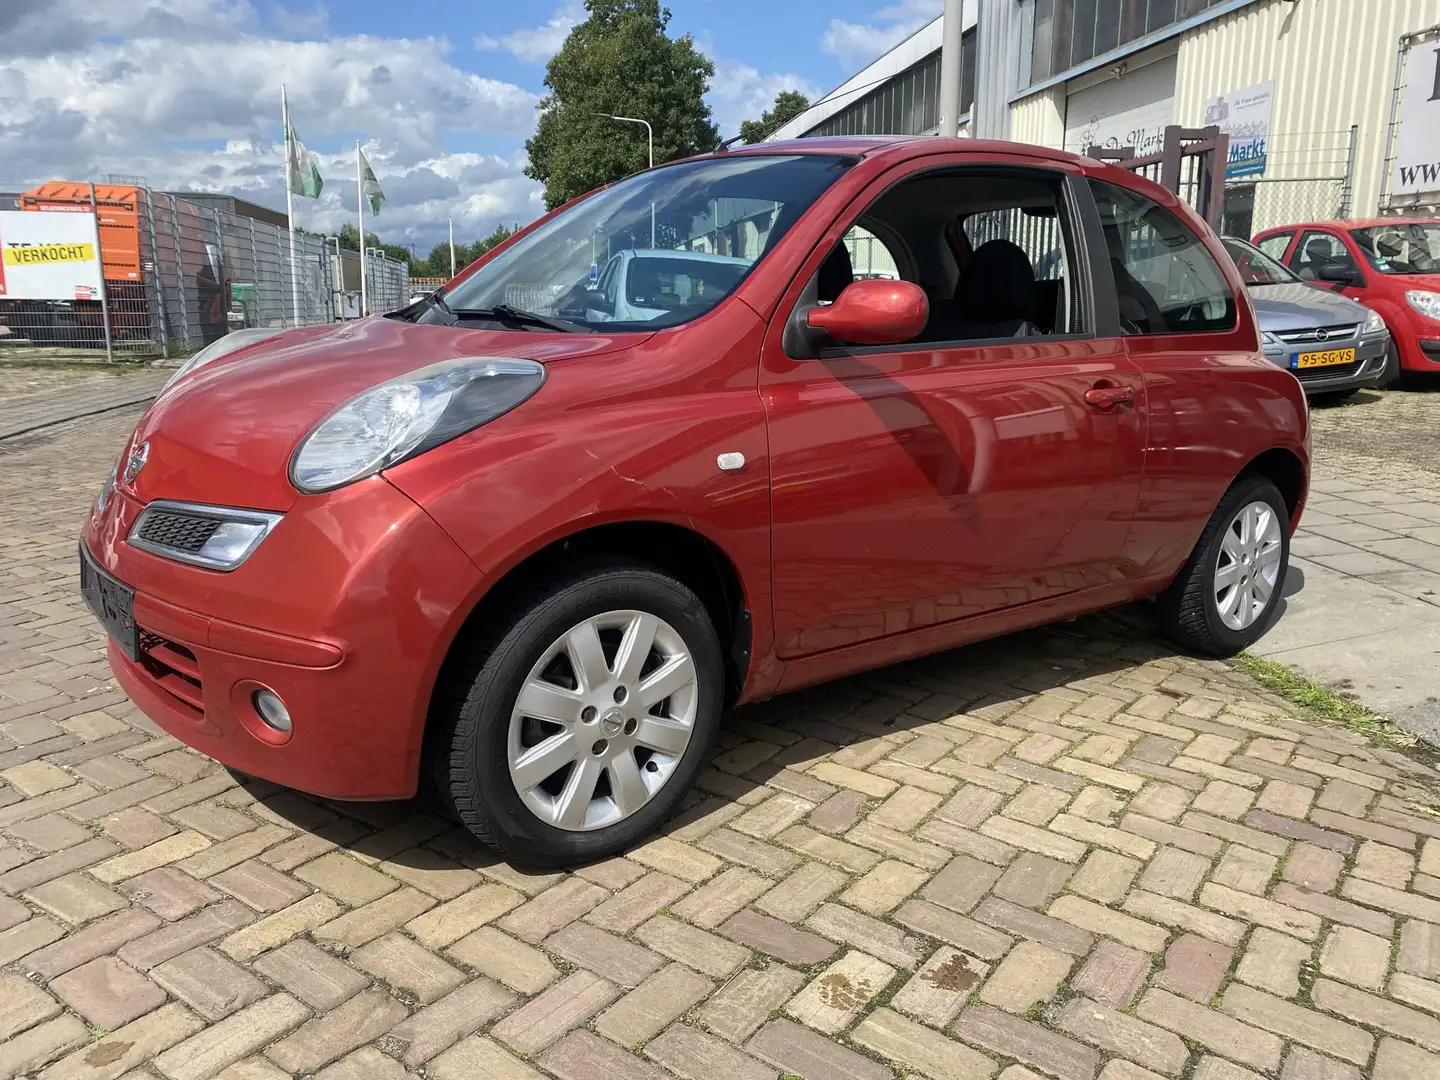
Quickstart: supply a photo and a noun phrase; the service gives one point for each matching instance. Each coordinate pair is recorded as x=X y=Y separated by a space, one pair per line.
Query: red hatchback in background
x=532 y=535
x=1391 y=265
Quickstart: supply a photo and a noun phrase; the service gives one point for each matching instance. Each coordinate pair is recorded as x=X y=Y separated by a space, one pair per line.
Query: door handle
x=1107 y=397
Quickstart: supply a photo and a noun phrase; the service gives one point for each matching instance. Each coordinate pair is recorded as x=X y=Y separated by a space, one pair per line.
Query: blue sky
x=186 y=92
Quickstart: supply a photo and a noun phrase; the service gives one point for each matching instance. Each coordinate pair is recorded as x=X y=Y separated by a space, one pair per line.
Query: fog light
x=272 y=710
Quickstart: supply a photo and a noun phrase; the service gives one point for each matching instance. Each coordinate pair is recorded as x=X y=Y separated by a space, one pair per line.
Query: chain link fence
x=1309 y=176
x=178 y=276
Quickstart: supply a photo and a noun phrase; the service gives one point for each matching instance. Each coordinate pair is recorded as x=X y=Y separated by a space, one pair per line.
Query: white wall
x=1333 y=66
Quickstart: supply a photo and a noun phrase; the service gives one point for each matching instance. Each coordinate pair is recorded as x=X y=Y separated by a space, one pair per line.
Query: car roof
x=905 y=146
x=1351 y=223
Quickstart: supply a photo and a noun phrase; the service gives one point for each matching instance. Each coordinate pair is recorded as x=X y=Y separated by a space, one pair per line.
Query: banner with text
x=49 y=256
x=1245 y=117
x=1417 y=146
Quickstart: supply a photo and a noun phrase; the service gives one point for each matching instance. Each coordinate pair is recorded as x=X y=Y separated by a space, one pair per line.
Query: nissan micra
x=532 y=547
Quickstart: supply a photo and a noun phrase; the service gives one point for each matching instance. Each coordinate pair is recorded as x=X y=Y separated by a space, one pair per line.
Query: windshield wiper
x=507 y=313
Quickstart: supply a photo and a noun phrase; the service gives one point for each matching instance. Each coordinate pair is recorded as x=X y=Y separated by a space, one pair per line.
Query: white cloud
x=856 y=44
x=739 y=92
x=536 y=44
x=192 y=102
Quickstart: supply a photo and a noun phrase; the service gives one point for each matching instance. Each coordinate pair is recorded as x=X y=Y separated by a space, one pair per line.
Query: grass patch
x=1317 y=702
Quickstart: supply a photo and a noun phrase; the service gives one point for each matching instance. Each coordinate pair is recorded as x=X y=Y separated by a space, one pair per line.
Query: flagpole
x=360 y=205
x=290 y=206
x=452 y=247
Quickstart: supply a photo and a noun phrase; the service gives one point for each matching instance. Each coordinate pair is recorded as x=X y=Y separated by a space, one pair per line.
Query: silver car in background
x=1333 y=345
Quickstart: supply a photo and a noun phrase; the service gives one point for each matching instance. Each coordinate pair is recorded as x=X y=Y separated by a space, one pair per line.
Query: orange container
x=119 y=211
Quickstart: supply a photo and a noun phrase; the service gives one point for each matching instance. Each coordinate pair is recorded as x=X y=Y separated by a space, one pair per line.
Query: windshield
x=656 y=250
x=1256 y=268
x=1402 y=248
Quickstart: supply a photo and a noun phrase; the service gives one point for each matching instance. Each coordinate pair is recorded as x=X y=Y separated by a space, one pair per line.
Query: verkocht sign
x=1417 y=147
x=48 y=256
x=1245 y=117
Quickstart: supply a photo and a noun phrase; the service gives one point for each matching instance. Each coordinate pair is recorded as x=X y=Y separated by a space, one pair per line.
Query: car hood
x=1296 y=306
x=225 y=434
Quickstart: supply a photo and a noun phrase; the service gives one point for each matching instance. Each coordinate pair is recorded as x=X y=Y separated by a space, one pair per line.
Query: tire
x=535 y=814
x=1190 y=609
x=1393 y=375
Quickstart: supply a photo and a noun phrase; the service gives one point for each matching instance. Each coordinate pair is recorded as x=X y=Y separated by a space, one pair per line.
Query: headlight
x=108 y=487
x=231 y=342
x=1270 y=341
x=409 y=415
x=1426 y=303
x=1374 y=324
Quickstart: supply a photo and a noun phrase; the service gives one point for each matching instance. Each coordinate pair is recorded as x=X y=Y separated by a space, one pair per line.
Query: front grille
x=174 y=669
x=1338 y=371
x=1311 y=335
x=180 y=532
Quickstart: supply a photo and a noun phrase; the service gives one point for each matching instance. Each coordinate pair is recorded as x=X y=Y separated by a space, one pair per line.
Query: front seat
x=835 y=276
x=1316 y=254
x=995 y=296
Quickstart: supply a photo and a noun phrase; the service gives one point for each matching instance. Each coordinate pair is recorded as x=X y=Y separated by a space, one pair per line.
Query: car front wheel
x=1223 y=599
x=585 y=721
x=1392 y=376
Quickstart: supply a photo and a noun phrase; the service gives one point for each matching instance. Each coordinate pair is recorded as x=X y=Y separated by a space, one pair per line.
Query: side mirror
x=875 y=312
x=1337 y=273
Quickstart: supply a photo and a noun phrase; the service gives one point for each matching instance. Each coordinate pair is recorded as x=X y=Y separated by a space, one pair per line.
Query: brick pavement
x=1362 y=602
x=1069 y=854
x=66 y=395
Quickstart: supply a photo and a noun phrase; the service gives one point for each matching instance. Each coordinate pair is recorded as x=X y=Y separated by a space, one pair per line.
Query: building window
x=1067 y=33
x=909 y=103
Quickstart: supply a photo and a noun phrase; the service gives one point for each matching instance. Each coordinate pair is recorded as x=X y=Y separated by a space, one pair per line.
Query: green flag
x=305 y=176
x=369 y=186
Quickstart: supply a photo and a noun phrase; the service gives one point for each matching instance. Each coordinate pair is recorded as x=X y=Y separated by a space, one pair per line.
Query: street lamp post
x=650 y=139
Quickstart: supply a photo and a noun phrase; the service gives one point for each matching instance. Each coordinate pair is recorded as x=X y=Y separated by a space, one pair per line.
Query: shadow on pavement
x=851 y=713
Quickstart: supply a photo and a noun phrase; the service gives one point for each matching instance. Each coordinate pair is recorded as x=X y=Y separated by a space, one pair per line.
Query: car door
x=1319 y=247
x=925 y=482
x=1196 y=351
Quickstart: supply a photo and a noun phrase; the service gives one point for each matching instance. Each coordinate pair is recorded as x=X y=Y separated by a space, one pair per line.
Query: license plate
x=112 y=603
x=1325 y=358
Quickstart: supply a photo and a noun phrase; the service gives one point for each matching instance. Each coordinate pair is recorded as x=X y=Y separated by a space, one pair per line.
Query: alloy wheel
x=602 y=720
x=1248 y=569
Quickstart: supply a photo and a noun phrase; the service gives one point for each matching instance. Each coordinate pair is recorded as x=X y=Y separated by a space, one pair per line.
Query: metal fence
x=1309 y=176
x=201 y=272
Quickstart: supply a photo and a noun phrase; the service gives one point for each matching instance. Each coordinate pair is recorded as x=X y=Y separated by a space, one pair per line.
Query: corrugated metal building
x=1314 y=79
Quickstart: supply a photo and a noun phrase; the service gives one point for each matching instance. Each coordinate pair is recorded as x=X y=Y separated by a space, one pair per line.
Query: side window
x=608 y=281
x=1315 y=250
x=1275 y=246
x=869 y=255
x=1166 y=281
x=993 y=249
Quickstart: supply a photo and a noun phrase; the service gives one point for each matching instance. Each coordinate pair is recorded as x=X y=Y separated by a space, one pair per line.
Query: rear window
x=1166 y=281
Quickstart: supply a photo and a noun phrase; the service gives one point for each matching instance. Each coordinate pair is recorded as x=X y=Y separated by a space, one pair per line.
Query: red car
x=532 y=541
x=1391 y=265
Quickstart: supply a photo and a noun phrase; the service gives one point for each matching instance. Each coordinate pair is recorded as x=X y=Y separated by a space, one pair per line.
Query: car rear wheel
x=1224 y=598
x=579 y=728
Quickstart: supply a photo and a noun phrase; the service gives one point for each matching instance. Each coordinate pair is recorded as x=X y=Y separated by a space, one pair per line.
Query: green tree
x=788 y=105
x=619 y=60
x=350 y=241
x=437 y=263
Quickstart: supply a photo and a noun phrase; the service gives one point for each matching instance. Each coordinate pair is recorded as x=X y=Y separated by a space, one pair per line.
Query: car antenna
x=724 y=147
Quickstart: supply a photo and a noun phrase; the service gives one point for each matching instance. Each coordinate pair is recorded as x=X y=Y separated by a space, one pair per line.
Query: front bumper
x=1365 y=372
x=345 y=611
